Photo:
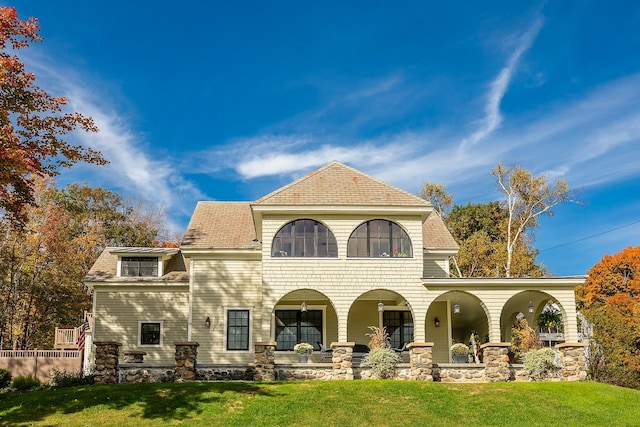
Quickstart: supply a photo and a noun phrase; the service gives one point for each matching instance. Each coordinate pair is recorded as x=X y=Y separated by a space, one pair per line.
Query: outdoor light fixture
x=456 y=308
x=207 y=322
x=303 y=306
x=436 y=322
x=380 y=307
x=530 y=308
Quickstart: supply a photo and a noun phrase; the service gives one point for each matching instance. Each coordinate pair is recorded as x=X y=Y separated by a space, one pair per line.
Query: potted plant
x=303 y=350
x=460 y=353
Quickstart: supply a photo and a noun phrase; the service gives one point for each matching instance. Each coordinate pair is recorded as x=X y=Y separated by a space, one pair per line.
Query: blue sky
x=208 y=100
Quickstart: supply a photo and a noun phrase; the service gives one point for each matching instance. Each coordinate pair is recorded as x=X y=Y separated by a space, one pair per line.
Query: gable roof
x=336 y=184
x=220 y=225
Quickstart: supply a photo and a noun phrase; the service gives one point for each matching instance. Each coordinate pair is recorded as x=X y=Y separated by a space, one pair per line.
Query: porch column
x=342 y=360
x=574 y=361
x=107 y=353
x=495 y=356
x=264 y=361
x=421 y=360
x=186 y=357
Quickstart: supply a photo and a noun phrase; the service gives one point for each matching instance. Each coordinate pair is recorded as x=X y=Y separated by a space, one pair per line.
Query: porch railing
x=68 y=337
x=14 y=354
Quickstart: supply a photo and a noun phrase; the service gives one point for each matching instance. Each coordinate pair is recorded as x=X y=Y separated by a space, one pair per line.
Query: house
x=318 y=260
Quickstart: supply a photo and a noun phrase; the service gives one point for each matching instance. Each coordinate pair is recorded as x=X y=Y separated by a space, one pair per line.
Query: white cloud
x=133 y=169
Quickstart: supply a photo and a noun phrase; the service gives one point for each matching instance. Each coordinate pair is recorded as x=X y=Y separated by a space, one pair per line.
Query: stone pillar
x=186 y=358
x=106 y=365
x=421 y=360
x=264 y=361
x=342 y=358
x=495 y=356
x=573 y=360
x=134 y=356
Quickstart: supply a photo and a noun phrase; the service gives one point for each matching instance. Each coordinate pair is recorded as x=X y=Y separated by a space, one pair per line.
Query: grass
x=320 y=403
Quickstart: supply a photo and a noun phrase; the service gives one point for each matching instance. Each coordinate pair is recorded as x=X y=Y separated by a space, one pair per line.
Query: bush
x=539 y=364
x=25 y=383
x=5 y=378
x=379 y=338
x=69 y=379
x=382 y=361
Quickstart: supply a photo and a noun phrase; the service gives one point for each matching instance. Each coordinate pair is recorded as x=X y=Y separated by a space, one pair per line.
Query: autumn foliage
x=610 y=301
x=33 y=124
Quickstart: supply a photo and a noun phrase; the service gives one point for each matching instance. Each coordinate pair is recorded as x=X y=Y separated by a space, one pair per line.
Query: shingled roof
x=106 y=266
x=220 y=225
x=230 y=225
x=339 y=185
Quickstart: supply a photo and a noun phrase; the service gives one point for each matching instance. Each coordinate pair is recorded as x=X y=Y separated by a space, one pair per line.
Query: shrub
x=539 y=364
x=5 y=378
x=382 y=361
x=25 y=383
x=69 y=379
x=523 y=339
x=379 y=338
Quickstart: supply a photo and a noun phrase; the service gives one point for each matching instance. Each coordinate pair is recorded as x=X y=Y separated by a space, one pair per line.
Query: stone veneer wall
x=264 y=361
x=421 y=360
x=106 y=367
x=342 y=360
x=186 y=359
x=131 y=373
x=496 y=360
x=573 y=361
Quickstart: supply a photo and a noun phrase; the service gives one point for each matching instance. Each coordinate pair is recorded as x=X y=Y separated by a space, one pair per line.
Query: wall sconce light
x=303 y=306
x=380 y=307
x=530 y=308
x=456 y=308
x=436 y=322
x=207 y=322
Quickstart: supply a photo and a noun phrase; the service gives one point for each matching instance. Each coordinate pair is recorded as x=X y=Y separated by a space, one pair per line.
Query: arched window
x=304 y=238
x=379 y=238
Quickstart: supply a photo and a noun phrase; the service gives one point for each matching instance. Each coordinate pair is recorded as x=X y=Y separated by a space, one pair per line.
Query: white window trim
x=226 y=330
x=140 y=322
x=297 y=307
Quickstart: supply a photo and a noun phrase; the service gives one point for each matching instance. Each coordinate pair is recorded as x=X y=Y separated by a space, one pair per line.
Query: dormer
x=142 y=262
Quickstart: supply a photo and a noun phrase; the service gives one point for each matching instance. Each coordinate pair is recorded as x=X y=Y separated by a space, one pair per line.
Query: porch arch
x=530 y=303
x=290 y=306
x=364 y=312
x=452 y=317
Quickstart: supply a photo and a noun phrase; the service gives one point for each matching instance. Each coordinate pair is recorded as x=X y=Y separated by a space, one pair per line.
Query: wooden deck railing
x=68 y=337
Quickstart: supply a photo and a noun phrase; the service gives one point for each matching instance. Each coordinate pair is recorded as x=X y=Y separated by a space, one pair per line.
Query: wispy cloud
x=133 y=169
x=499 y=86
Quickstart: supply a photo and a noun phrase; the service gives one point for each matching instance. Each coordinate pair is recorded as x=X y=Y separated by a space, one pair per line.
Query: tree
x=527 y=198
x=610 y=301
x=438 y=196
x=33 y=126
x=480 y=230
x=43 y=263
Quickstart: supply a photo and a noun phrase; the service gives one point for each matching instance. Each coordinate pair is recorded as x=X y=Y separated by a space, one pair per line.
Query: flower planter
x=460 y=358
x=303 y=358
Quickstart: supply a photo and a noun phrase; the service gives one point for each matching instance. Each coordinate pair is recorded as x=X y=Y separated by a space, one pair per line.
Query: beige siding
x=438 y=335
x=219 y=285
x=118 y=312
x=343 y=280
x=436 y=266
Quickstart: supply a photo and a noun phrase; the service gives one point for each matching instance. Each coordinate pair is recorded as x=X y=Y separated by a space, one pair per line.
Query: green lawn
x=330 y=403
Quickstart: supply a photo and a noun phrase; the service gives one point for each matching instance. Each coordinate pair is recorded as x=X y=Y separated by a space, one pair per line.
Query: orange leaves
x=32 y=123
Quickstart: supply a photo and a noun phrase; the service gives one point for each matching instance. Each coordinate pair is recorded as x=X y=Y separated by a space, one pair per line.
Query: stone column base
x=495 y=356
x=264 y=361
x=574 y=361
x=421 y=360
x=342 y=359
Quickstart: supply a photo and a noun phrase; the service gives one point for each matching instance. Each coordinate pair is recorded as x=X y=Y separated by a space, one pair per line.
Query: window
x=304 y=238
x=294 y=326
x=399 y=325
x=379 y=238
x=237 y=329
x=150 y=333
x=139 y=266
